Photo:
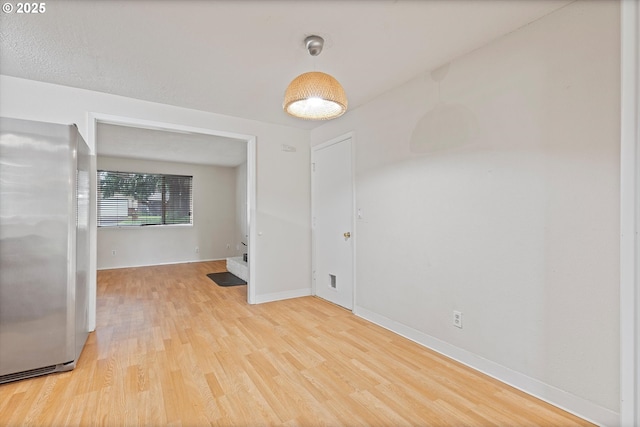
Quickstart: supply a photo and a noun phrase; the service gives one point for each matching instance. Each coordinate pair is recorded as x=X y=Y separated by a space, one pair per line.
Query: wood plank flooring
x=171 y=348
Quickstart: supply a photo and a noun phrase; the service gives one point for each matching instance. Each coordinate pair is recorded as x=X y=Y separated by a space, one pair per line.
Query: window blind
x=138 y=199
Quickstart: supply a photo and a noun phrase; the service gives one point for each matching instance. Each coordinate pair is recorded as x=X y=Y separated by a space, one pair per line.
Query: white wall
x=282 y=261
x=502 y=201
x=214 y=220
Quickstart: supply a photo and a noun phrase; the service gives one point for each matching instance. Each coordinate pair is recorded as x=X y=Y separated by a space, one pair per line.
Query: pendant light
x=315 y=95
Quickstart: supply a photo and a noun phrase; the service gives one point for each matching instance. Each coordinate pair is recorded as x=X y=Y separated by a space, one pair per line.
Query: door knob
x=347 y=235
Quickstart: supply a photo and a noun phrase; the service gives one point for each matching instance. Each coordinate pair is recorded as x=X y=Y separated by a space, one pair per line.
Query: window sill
x=143 y=227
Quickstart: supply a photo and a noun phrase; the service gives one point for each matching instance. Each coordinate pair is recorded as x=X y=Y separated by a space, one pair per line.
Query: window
x=137 y=199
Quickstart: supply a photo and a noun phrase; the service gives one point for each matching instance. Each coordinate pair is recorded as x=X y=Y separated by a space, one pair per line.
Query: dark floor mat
x=226 y=279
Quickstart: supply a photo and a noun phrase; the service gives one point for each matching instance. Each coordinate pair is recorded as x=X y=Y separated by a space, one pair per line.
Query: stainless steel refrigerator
x=44 y=247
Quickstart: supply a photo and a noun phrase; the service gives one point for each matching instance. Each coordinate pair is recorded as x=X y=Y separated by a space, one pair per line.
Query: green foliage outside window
x=136 y=199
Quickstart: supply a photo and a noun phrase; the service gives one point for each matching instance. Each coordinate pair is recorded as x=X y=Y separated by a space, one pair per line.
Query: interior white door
x=332 y=211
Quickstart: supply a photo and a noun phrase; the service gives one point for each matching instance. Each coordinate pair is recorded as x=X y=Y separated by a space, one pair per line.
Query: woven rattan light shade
x=315 y=96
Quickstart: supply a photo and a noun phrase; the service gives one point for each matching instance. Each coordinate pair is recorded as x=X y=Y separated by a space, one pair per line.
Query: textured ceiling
x=237 y=57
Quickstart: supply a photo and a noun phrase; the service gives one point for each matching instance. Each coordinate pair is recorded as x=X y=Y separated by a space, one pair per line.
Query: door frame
x=92 y=122
x=354 y=234
x=630 y=215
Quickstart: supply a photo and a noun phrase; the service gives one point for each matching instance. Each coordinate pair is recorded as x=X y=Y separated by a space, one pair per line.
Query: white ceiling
x=151 y=144
x=236 y=57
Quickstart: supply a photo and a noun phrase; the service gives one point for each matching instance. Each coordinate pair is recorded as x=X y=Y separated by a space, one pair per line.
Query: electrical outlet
x=113 y=252
x=228 y=245
x=197 y=250
x=457 y=319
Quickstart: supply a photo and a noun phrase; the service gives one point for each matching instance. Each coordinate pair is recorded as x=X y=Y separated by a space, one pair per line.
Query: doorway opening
x=208 y=143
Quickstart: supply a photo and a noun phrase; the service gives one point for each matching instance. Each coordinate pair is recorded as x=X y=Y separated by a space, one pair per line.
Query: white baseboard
x=159 y=263
x=550 y=394
x=277 y=296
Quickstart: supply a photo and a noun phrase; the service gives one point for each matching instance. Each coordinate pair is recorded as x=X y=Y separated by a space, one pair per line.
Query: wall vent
x=332 y=281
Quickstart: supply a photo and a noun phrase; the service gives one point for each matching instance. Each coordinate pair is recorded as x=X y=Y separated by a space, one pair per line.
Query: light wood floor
x=172 y=348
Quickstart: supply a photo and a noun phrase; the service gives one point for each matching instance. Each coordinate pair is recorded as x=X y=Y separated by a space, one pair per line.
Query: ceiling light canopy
x=315 y=95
